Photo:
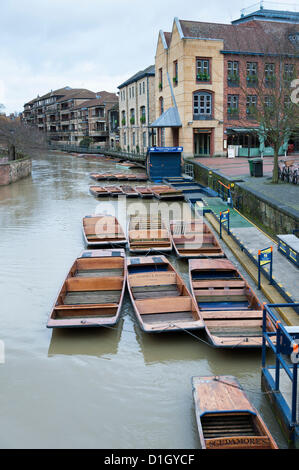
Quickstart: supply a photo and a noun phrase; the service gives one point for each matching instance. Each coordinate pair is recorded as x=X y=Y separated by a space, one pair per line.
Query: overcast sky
x=94 y=44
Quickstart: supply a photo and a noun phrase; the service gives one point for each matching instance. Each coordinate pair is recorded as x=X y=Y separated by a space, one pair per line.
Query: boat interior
x=227 y=304
x=93 y=288
x=159 y=293
x=100 y=229
x=194 y=239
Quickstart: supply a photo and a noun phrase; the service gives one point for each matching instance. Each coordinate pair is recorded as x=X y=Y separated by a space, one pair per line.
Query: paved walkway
x=284 y=195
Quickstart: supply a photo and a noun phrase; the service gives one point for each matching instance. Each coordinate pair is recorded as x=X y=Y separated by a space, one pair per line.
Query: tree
x=17 y=138
x=271 y=93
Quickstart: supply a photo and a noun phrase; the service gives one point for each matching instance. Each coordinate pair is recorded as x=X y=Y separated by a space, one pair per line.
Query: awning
x=169 y=118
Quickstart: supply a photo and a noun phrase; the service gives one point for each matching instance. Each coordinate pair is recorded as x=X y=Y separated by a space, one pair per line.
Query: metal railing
x=100 y=150
x=282 y=345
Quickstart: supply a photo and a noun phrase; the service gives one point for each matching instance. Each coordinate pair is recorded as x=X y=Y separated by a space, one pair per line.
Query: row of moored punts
x=164 y=191
x=220 y=301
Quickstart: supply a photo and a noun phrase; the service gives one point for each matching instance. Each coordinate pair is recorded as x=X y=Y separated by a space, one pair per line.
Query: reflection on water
x=97 y=342
x=90 y=388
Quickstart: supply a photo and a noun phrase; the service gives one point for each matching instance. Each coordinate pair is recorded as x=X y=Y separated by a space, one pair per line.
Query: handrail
x=227 y=187
x=280 y=334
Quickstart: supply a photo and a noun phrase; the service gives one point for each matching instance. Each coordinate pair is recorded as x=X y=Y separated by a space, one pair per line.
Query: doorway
x=202 y=144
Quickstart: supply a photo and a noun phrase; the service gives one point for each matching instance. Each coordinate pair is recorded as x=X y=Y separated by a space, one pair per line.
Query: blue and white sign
x=165 y=149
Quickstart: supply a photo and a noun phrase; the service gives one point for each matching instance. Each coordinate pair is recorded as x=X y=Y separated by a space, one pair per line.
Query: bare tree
x=17 y=138
x=270 y=93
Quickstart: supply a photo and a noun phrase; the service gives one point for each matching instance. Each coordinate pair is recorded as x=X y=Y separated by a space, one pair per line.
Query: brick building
x=68 y=115
x=209 y=78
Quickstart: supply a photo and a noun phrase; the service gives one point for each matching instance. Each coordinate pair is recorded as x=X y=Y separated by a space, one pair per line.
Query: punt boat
x=194 y=239
x=102 y=230
x=99 y=191
x=100 y=176
x=231 y=311
x=92 y=293
x=144 y=191
x=167 y=192
x=225 y=417
x=148 y=234
x=114 y=190
x=160 y=297
x=129 y=191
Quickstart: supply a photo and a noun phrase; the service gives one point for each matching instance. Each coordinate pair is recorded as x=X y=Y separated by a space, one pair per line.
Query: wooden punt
x=99 y=230
x=160 y=297
x=92 y=293
x=100 y=176
x=99 y=191
x=129 y=191
x=114 y=190
x=225 y=417
x=231 y=311
x=167 y=192
x=144 y=191
x=148 y=234
x=194 y=239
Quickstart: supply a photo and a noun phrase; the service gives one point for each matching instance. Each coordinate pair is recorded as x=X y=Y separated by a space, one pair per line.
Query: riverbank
x=12 y=171
x=273 y=207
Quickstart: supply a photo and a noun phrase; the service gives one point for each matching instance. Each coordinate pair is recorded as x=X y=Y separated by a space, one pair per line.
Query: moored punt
x=92 y=293
x=160 y=297
x=231 y=311
x=98 y=191
x=225 y=417
x=129 y=191
x=114 y=190
x=144 y=191
x=194 y=239
x=100 y=176
x=167 y=192
x=101 y=230
x=148 y=234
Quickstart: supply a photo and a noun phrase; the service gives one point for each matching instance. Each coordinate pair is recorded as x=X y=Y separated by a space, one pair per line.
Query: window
x=175 y=73
x=269 y=75
x=203 y=70
x=160 y=79
x=125 y=138
x=123 y=118
x=233 y=106
x=251 y=69
x=251 y=106
x=133 y=139
x=132 y=116
x=129 y=92
x=288 y=72
x=202 y=105
x=161 y=105
x=140 y=88
x=269 y=101
x=143 y=85
x=233 y=76
x=144 y=139
x=142 y=115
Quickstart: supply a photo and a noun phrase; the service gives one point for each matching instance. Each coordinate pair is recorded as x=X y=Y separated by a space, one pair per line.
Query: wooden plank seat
x=180 y=317
x=99 y=272
x=164 y=305
x=91 y=297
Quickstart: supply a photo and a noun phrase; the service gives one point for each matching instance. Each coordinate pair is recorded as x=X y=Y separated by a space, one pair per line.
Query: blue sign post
x=265 y=256
x=224 y=218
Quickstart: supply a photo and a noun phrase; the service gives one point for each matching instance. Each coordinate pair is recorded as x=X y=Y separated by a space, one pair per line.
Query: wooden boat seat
x=164 y=305
x=219 y=283
x=152 y=279
x=86 y=311
x=234 y=315
x=222 y=295
x=78 y=284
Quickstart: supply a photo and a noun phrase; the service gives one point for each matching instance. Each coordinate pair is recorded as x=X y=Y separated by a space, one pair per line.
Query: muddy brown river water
x=94 y=388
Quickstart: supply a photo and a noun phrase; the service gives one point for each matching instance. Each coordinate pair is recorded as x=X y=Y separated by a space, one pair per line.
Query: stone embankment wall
x=272 y=218
x=11 y=171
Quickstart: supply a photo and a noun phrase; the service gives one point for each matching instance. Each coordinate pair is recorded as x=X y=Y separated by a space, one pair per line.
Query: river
x=91 y=388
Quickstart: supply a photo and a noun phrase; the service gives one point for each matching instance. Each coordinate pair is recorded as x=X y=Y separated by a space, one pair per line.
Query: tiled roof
x=103 y=98
x=149 y=71
x=252 y=37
